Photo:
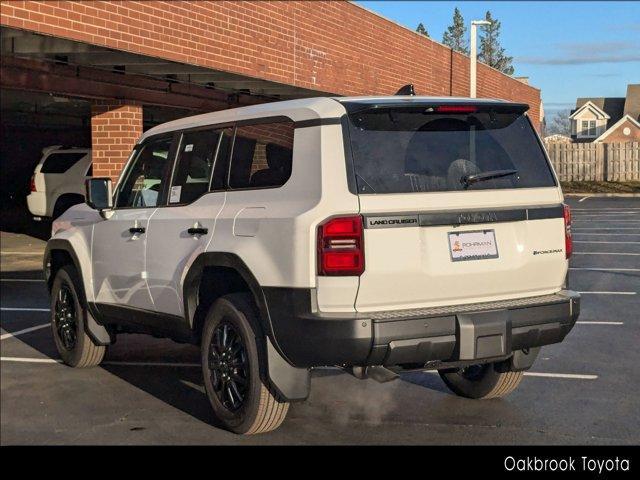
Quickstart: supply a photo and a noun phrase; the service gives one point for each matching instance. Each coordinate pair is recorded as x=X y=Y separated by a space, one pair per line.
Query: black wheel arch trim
x=98 y=333
x=291 y=382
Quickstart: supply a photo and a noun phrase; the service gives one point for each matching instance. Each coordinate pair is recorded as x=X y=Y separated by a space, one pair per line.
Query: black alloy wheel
x=229 y=366
x=65 y=318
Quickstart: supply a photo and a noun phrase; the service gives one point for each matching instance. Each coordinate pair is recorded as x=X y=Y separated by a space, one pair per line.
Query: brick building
x=101 y=72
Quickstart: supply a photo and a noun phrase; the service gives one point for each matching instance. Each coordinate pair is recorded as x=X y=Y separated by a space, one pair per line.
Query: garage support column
x=116 y=125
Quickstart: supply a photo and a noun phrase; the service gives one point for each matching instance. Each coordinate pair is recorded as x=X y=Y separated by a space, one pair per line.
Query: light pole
x=474 y=55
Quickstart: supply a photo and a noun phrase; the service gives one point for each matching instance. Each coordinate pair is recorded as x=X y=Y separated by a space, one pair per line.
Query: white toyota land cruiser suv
x=376 y=234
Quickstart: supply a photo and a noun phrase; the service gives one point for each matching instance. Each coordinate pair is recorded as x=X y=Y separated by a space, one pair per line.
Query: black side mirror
x=98 y=193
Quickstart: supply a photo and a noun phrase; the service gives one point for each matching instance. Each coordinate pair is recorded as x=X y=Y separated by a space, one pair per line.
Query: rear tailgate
x=460 y=205
x=410 y=261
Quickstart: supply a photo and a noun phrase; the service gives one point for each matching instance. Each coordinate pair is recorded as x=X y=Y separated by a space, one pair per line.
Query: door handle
x=198 y=231
x=137 y=230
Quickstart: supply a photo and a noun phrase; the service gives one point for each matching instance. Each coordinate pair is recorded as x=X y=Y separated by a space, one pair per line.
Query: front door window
x=143 y=186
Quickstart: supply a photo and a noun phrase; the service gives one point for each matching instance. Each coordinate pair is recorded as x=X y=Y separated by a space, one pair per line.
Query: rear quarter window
x=61 y=162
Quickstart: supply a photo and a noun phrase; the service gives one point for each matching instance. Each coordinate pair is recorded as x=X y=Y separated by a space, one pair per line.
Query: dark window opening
x=416 y=149
x=262 y=155
x=201 y=153
x=144 y=185
x=61 y=162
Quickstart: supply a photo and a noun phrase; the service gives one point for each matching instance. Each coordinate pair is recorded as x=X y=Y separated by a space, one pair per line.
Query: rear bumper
x=307 y=338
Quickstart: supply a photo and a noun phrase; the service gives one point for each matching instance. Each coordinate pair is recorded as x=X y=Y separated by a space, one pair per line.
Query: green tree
x=491 y=52
x=455 y=36
x=422 y=30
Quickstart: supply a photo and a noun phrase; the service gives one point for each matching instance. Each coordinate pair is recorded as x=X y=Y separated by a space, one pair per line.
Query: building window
x=588 y=128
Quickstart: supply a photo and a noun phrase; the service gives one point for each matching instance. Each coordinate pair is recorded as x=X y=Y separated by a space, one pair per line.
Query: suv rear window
x=419 y=149
x=61 y=162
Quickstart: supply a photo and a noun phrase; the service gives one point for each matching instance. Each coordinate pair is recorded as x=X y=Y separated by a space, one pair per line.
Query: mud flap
x=98 y=334
x=290 y=382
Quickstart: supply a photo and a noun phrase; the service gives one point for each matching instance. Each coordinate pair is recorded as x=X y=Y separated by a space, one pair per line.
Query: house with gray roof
x=607 y=119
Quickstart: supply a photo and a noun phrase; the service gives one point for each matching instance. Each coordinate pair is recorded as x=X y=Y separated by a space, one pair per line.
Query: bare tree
x=559 y=124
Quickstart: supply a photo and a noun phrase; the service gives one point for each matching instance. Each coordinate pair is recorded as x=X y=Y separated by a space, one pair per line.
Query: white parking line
x=26 y=330
x=108 y=362
x=605 y=209
x=606 y=269
x=582 y=199
x=21 y=280
x=561 y=375
x=194 y=365
x=20 y=309
x=603 y=241
x=21 y=253
x=30 y=360
x=606 y=228
x=622 y=217
x=588 y=322
x=609 y=293
x=549 y=375
x=151 y=364
x=606 y=253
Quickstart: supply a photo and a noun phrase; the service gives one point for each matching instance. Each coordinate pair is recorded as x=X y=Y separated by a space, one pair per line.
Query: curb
x=603 y=195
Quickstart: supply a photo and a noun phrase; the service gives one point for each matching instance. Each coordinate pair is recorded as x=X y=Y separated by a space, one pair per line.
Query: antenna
x=407 y=90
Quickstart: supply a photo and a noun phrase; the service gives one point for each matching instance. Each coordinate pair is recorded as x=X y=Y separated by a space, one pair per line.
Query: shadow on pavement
x=17 y=219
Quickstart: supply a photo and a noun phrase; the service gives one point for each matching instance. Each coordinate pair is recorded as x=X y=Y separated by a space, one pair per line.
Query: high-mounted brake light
x=32 y=185
x=456 y=109
x=568 y=241
x=341 y=247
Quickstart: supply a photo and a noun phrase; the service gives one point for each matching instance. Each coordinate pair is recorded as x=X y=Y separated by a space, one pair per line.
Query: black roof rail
x=407 y=90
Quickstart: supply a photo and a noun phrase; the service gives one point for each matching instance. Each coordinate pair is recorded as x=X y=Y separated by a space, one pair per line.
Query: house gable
x=627 y=129
x=589 y=110
x=588 y=122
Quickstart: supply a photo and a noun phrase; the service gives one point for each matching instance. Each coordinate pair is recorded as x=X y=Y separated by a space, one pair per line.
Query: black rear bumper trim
x=309 y=338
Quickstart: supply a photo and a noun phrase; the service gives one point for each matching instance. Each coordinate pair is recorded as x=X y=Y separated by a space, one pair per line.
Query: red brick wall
x=332 y=47
x=115 y=128
x=618 y=134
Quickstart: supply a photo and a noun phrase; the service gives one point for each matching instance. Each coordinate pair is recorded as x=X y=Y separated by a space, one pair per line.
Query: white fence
x=614 y=162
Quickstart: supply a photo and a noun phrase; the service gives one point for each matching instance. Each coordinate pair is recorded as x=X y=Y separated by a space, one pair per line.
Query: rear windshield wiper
x=469 y=180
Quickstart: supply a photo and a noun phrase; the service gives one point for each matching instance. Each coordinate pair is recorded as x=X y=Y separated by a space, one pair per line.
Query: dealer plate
x=475 y=245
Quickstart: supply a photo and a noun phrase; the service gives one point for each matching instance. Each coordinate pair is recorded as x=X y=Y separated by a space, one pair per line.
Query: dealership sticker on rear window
x=476 y=245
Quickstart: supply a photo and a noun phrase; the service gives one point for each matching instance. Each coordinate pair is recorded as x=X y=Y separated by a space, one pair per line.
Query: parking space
x=149 y=391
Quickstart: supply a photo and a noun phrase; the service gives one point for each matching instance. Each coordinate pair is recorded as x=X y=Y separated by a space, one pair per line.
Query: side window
x=200 y=153
x=61 y=162
x=145 y=178
x=262 y=155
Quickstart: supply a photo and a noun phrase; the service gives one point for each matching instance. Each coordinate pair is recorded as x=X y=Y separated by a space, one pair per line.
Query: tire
x=481 y=381
x=74 y=345
x=249 y=407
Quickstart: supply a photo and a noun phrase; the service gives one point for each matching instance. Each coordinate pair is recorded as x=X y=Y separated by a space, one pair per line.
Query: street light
x=473 y=65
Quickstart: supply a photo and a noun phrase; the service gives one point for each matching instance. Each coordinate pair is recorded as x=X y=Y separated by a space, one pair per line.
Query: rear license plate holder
x=473 y=245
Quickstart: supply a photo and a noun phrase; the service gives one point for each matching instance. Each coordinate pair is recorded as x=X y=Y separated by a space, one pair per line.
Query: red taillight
x=568 y=242
x=341 y=247
x=32 y=185
x=456 y=109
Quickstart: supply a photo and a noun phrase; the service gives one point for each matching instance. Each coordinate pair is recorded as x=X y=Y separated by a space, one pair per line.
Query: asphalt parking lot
x=149 y=391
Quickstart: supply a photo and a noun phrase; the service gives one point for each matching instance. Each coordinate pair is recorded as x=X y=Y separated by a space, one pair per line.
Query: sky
x=567 y=49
